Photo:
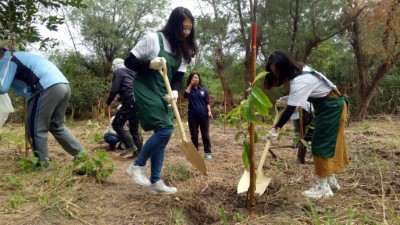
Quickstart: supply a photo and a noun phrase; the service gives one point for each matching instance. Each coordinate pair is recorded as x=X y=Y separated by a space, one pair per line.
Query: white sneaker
x=334 y=184
x=160 y=188
x=209 y=156
x=318 y=192
x=136 y=173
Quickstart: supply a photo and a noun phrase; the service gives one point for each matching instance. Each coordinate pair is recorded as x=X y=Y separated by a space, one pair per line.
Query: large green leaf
x=260 y=101
x=250 y=116
x=233 y=113
x=259 y=76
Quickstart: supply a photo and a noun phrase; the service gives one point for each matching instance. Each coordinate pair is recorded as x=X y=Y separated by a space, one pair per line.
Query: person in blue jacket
x=47 y=91
x=199 y=113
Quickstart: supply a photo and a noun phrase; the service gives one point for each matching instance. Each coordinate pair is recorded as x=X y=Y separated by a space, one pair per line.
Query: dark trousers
x=204 y=124
x=128 y=112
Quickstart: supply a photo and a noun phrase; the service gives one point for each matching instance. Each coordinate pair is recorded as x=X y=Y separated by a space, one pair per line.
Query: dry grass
x=369 y=194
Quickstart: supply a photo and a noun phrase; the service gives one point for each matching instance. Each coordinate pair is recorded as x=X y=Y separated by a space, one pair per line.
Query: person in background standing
x=174 y=45
x=199 y=113
x=328 y=145
x=122 y=84
x=48 y=92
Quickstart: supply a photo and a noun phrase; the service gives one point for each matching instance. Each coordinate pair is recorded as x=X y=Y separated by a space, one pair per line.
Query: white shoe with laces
x=318 y=192
x=334 y=184
x=160 y=188
x=136 y=173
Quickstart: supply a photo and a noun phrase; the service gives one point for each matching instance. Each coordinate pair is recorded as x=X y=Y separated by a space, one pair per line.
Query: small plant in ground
x=98 y=166
x=178 y=171
x=238 y=217
x=98 y=137
x=15 y=200
x=179 y=218
x=365 y=126
x=249 y=111
x=12 y=182
x=223 y=215
x=91 y=124
x=16 y=138
x=312 y=212
x=27 y=164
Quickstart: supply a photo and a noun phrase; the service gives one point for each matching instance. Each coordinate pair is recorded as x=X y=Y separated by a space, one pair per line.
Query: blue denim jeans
x=111 y=140
x=154 y=148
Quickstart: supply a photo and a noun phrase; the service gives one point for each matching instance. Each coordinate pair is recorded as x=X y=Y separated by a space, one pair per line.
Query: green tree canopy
x=19 y=20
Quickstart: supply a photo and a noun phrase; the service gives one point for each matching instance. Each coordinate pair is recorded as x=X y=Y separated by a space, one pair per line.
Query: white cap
x=117 y=63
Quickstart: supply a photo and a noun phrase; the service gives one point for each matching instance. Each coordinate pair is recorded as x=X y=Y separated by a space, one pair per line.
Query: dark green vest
x=154 y=112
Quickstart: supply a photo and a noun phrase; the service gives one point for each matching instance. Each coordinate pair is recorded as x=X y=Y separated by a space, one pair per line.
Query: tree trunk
x=295 y=18
x=367 y=92
x=362 y=76
x=220 y=61
x=246 y=43
x=221 y=74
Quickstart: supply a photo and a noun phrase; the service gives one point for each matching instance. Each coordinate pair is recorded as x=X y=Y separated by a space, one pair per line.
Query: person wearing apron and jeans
x=175 y=45
x=328 y=146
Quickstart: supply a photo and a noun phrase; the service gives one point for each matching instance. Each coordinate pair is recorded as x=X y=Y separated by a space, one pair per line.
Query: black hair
x=285 y=67
x=173 y=30
x=189 y=79
x=2 y=50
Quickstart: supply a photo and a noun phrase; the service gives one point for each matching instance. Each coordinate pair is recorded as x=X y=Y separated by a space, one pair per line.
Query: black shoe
x=128 y=152
x=134 y=154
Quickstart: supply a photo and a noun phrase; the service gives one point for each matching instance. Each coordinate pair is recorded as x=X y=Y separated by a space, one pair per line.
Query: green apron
x=154 y=112
x=327 y=114
x=327 y=111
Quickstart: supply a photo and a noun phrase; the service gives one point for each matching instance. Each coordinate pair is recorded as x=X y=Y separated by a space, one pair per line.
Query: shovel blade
x=244 y=182
x=262 y=183
x=194 y=156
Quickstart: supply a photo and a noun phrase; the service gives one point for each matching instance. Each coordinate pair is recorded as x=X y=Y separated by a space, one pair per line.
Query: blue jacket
x=122 y=84
x=28 y=74
x=198 y=101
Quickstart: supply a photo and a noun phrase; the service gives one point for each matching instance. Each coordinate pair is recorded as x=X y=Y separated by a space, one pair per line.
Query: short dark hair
x=173 y=30
x=286 y=67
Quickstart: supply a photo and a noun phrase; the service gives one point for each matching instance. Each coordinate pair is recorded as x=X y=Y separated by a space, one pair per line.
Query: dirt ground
x=369 y=194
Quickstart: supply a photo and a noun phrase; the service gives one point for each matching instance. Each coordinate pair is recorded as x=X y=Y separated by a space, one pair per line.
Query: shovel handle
x=301 y=130
x=263 y=156
x=164 y=74
x=276 y=115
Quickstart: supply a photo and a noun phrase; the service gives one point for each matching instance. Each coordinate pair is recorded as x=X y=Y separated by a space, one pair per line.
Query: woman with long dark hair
x=328 y=146
x=174 y=44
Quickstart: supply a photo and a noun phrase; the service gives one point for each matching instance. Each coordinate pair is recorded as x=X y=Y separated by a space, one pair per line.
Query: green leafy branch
x=250 y=110
x=97 y=166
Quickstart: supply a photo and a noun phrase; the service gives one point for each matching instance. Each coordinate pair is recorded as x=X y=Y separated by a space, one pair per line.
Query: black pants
x=128 y=112
x=204 y=124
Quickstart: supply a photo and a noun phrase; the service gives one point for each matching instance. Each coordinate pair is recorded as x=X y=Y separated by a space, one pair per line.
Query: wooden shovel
x=187 y=146
x=262 y=181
